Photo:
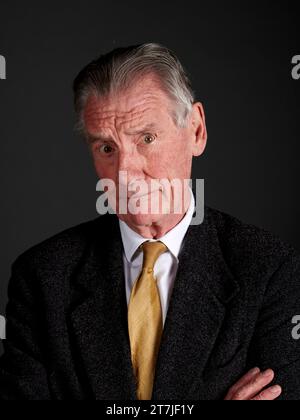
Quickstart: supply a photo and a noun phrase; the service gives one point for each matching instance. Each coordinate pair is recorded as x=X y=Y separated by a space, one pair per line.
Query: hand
x=252 y=387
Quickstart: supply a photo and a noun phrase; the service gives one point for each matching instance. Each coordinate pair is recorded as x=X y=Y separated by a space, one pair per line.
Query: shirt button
x=150 y=270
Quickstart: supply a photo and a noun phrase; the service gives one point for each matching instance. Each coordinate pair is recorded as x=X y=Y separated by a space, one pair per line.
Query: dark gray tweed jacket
x=236 y=292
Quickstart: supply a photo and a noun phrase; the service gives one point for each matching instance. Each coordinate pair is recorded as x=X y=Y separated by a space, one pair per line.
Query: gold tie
x=145 y=321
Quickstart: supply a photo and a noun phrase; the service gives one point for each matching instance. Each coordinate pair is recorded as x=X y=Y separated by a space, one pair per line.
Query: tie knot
x=151 y=251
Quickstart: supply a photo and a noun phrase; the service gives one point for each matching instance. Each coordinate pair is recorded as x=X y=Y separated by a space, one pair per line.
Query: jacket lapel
x=203 y=287
x=100 y=320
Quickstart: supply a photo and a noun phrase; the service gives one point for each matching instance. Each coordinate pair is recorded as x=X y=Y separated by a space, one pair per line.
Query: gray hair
x=119 y=69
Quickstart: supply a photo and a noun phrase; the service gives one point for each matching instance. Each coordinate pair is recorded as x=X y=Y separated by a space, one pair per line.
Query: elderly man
x=146 y=305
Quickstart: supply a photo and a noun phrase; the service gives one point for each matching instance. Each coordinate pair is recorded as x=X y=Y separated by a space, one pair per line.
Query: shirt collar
x=172 y=239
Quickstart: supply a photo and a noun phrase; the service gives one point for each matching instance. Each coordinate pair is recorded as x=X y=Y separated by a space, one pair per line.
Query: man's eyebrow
x=94 y=138
x=142 y=130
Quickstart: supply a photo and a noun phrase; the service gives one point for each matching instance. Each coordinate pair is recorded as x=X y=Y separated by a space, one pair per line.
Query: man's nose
x=130 y=162
x=130 y=169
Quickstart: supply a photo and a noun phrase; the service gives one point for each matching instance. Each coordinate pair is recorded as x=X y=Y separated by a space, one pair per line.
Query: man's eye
x=105 y=149
x=148 y=138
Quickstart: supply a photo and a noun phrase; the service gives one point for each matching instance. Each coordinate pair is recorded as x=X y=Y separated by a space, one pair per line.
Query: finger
x=255 y=386
x=269 y=394
x=243 y=381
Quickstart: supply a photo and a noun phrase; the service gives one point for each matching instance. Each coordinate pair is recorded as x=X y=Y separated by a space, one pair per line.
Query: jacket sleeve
x=22 y=369
x=275 y=344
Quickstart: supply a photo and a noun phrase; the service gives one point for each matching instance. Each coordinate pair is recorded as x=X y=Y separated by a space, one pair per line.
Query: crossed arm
x=273 y=346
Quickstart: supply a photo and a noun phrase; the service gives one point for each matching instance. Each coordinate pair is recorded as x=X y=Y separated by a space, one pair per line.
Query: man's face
x=135 y=132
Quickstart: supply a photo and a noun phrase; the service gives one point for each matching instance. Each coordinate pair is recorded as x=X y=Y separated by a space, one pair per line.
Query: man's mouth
x=138 y=195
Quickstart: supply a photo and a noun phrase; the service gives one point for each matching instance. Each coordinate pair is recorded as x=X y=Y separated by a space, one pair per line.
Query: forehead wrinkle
x=126 y=121
x=112 y=106
x=136 y=119
x=106 y=116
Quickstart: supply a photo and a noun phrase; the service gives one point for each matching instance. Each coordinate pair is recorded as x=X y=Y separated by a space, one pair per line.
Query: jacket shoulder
x=247 y=245
x=65 y=246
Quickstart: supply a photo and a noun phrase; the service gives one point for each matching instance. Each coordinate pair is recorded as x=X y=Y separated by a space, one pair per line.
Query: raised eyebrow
x=142 y=130
x=94 y=139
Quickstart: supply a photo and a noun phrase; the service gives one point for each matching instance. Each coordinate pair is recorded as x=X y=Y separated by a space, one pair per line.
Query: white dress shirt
x=166 y=266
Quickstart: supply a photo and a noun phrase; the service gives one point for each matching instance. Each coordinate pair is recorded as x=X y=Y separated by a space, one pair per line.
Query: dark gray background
x=239 y=58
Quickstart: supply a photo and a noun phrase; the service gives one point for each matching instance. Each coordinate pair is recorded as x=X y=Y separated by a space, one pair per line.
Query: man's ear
x=198 y=127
